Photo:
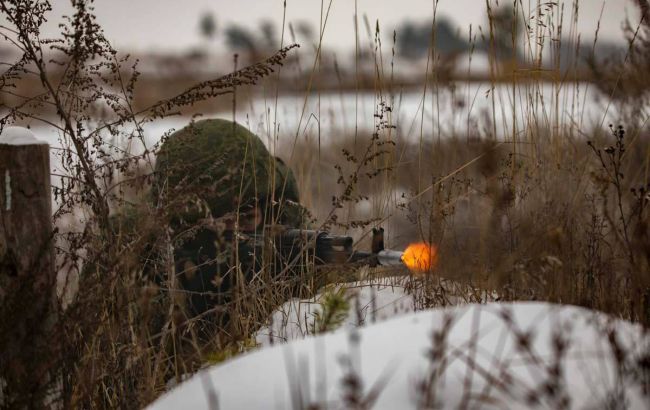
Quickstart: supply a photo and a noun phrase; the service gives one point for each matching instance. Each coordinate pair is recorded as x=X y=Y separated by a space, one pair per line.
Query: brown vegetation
x=546 y=212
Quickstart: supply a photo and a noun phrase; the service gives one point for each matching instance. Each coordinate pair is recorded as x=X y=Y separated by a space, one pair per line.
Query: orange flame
x=420 y=257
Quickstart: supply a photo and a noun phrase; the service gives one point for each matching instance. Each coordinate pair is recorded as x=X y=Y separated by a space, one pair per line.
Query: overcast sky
x=173 y=25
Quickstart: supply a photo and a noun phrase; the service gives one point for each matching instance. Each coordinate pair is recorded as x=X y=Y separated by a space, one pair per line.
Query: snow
x=18 y=136
x=501 y=354
x=369 y=301
x=474 y=63
x=375 y=299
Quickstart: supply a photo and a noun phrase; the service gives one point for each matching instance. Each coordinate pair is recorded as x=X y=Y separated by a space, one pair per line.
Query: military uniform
x=216 y=178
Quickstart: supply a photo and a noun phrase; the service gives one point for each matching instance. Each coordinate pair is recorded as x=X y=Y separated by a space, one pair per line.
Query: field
x=530 y=178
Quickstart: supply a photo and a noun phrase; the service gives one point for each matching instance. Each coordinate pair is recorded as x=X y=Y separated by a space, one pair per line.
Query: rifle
x=285 y=252
x=325 y=248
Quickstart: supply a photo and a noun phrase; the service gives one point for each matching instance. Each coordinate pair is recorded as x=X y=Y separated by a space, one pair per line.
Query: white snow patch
x=370 y=301
x=474 y=63
x=377 y=298
x=18 y=136
x=482 y=340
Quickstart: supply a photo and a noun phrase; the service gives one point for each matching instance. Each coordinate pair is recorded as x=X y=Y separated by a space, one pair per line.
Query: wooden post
x=27 y=274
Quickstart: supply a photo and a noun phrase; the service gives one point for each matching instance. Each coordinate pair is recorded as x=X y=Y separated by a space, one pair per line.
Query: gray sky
x=173 y=25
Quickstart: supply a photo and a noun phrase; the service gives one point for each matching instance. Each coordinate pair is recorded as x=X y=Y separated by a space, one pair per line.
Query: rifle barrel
x=388 y=257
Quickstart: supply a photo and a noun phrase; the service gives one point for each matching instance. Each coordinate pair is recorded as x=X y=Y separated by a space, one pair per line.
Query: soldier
x=217 y=180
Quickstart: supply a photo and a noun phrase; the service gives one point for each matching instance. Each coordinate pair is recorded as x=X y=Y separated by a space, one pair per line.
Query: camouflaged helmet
x=212 y=166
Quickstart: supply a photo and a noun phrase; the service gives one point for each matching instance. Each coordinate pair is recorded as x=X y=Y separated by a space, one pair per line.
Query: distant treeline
x=415 y=38
x=502 y=28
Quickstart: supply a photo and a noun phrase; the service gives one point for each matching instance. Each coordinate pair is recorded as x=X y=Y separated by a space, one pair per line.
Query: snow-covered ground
x=519 y=355
x=369 y=301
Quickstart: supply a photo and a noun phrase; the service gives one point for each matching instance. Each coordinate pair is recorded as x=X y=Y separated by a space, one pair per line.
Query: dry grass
x=527 y=211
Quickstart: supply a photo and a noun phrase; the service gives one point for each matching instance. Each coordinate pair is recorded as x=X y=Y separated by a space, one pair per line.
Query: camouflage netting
x=210 y=166
x=214 y=168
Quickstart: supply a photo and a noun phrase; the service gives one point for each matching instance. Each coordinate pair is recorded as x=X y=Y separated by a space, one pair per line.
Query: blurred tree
x=269 y=34
x=239 y=38
x=208 y=25
x=410 y=42
x=305 y=30
x=414 y=40
x=506 y=30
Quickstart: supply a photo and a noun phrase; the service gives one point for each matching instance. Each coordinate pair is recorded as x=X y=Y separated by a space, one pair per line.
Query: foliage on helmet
x=213 y=167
